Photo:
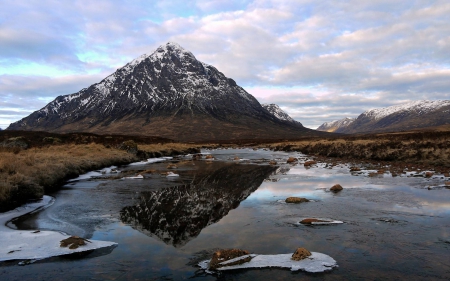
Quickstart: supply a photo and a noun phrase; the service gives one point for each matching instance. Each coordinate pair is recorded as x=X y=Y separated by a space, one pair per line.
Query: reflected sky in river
x=394 y=228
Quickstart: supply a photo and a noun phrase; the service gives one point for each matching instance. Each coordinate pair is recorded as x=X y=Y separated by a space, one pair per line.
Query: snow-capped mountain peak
x=276 y=111
x=169 y=83
x=420 y=107
x=335 y=125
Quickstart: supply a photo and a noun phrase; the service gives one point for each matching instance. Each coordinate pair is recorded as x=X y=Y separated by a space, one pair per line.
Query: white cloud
x=320 y=60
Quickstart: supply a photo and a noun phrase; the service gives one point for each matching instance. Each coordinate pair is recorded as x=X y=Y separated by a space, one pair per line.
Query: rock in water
x=228 y=254
x=336 y=188
x=300 y=254
x=296 y=200
x=292 y=160
x=310 y=163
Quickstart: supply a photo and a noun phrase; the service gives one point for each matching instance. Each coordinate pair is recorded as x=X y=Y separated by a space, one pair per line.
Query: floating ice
x=138 y=177
x=35 y=245
x=88 y=175
x=151 y=160
x=317 y=262
x=322 y=222
x=171 y=174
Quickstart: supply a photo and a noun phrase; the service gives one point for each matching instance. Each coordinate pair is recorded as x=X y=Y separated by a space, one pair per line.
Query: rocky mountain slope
x=408 y=116
x=168 y=94
x=276 y=111
x=336 y=126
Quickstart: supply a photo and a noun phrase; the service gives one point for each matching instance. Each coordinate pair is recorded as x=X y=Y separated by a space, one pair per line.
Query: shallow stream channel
x=394 y=228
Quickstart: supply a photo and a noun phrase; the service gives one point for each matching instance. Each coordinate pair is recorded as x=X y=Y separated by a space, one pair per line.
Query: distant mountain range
x=408 y=116
x=167 y=94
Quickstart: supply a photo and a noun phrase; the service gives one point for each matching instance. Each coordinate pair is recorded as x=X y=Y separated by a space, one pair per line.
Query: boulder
x=310 y=163
x=447 y=183
x=236 y=158
x=300 y=254
x=209 y=156
x=354 y=169
x=336 y=188
x=447 y=175
x=429 y=174
x=296 y=200
x=196 y=156
x=292 y=160
x=228 y=254
x=273 y=162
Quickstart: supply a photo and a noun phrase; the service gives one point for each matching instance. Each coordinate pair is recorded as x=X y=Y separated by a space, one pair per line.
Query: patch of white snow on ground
x=33 y=245
x=88 y=175
x=150 y=161
x=317 y=262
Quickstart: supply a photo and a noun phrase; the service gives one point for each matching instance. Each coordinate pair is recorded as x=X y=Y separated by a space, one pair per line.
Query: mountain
x=276 y=111
x=336 y=126
x=168 y=93
x=408 y=116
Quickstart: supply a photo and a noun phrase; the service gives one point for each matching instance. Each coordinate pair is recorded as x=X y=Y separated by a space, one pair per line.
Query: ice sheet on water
x=88 y=175
x=35 y=245
x=317 y=262
x=151 y=160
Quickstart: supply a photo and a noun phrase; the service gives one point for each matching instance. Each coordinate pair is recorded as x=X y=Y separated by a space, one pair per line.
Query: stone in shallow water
x=292 y=160
x=296 y=200
x=336 y=188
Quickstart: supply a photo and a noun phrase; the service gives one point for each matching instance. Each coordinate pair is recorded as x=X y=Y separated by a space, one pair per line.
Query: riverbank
x=28 y=169
x=428 y=150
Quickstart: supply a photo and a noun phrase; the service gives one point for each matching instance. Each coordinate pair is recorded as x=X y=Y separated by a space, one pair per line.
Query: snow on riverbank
x=317 y=262
x=35 y=245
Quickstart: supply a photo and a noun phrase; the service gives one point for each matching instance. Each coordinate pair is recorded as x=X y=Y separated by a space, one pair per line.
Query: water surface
x=394 y=228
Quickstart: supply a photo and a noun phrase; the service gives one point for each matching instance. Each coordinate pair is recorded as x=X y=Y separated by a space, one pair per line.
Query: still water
x=394 y=227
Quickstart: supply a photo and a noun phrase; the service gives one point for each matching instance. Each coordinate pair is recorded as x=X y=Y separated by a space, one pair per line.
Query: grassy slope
x=26 y=173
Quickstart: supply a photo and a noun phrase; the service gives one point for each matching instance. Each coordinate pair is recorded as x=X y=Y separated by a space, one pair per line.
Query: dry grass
x=25 y=173
x=28 y=173
x=432 y=149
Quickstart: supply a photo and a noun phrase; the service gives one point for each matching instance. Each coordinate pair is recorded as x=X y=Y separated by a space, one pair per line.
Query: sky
x=318 y=60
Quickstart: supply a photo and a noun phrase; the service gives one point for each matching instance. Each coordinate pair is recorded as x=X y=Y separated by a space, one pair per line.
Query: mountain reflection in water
x=178 y=214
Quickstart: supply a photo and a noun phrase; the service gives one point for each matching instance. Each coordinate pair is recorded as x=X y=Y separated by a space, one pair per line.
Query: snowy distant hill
x=412 y=115
x=168 y=93
x=336 y=126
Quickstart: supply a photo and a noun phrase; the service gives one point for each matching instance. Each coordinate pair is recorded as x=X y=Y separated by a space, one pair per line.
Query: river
x=394 y=227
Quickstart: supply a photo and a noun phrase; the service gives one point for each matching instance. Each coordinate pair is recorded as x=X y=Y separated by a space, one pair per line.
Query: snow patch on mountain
x=336 y=124
x=420 y=107
x=276 y=111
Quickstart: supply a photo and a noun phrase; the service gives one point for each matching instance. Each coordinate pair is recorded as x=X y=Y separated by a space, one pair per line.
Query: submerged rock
x=310 y=163
x=354 y=169
x=236 y=158
x=224 y=255
x=429 y=174
x=300 y=254
x=273 y=162
x=296 y=200
x=336 y=188
x=209 y=156
x=292 y=160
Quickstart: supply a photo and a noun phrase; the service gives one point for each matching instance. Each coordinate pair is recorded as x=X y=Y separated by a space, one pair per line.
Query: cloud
x=320 y=60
